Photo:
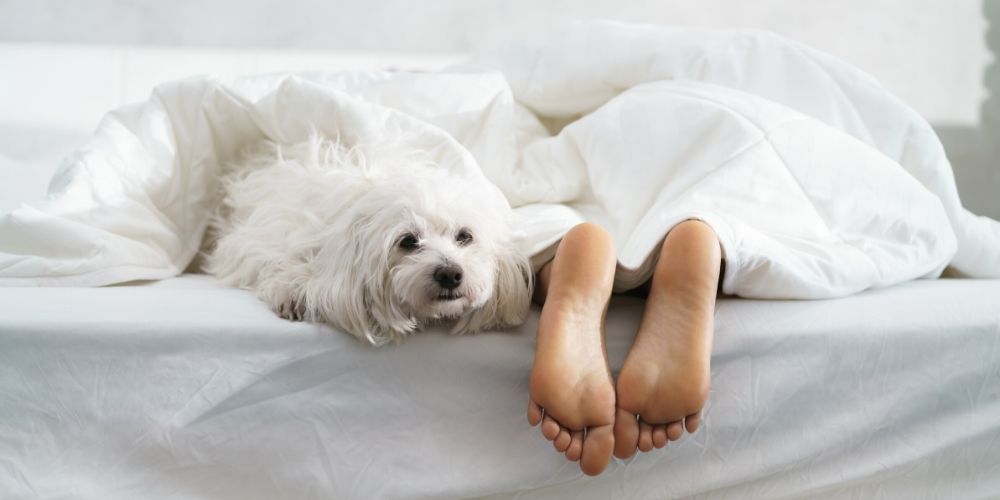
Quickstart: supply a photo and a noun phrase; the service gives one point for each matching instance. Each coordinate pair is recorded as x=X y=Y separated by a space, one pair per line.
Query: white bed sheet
x=187 y=389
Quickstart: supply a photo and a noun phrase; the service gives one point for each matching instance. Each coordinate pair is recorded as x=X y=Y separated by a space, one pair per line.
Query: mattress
x=185 y=388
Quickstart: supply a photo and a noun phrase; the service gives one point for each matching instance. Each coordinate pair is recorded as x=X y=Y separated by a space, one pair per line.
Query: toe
x=550 y=428
x=597 y=446
x=561 y=442
x=693 y=421
x=675 y=430
x=645 y=436
x=575 y=446
x=626 y=434
x=534 y=413
x=659 y=436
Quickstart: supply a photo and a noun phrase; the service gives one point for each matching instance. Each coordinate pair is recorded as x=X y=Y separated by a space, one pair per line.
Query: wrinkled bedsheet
x=185 y=388
x=816 y=180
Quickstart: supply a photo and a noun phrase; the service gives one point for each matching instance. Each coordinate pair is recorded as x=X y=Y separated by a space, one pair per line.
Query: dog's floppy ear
x=511 y=299
x=350 y=288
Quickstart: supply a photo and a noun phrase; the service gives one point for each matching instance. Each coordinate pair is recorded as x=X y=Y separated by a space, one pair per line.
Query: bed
x=184 y=388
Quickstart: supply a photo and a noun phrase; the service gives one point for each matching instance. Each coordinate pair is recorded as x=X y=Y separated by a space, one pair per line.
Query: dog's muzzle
x=449 y=278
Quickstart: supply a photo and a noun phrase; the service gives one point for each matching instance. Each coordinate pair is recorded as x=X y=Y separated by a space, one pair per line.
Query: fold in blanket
x=818 y=182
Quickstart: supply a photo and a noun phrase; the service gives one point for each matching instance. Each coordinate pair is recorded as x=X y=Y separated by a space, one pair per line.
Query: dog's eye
x=409 y=242
x=464 y=237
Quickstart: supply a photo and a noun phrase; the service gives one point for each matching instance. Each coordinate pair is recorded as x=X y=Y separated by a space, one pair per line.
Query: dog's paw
x=291 y=310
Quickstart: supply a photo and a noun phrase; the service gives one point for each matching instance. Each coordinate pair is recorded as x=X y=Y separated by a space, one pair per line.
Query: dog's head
x=420 y=247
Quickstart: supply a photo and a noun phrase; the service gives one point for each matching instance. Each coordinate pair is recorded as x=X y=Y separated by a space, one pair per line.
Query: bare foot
x=664 y=382
x=572 y=394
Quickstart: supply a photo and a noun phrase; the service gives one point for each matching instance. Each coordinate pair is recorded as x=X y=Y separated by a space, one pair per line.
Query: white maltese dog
x=373 y=240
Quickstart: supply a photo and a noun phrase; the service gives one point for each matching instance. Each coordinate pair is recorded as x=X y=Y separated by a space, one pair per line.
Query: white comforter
x=817 y=181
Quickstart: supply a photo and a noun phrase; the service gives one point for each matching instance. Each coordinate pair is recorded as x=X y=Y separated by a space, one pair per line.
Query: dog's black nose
x=449 y=276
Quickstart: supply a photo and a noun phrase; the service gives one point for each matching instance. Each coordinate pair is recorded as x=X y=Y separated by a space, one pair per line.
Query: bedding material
x=816 y=180
x=185 y=388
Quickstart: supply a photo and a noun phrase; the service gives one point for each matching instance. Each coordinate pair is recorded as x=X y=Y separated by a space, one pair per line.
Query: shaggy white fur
x=373 y=239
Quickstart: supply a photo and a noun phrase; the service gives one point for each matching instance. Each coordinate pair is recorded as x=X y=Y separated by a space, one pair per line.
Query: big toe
x=626 y=434
x=597 y=447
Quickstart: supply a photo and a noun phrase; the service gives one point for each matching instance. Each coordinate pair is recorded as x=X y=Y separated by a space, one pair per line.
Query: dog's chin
x=447 y=305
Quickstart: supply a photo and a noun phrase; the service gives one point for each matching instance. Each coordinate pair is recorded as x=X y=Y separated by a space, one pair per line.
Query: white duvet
x=818 y=182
